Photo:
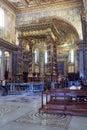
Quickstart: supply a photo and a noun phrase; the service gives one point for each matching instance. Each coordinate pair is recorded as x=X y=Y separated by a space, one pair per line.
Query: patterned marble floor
x=20 y=112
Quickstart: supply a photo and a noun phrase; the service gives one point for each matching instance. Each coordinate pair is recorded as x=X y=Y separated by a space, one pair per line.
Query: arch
x=66 y=23
x=66 y=30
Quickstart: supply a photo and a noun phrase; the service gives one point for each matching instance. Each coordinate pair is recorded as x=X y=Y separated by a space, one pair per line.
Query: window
x=1 y=17
x=36 y=55
x=46 y=57
x=72 y=56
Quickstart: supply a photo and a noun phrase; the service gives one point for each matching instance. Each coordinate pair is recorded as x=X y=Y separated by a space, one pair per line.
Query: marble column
x=81 y=63
x=3 y=63
x=85 y=62
x=33 y=64
x=30 y=60
x=49 y=55
x=20 y=57
x=14 y=64
x=54 y=64
x=10 y=65
x=76 y=59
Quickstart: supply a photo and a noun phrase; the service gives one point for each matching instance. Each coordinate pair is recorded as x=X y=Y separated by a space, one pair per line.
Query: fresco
x=8 y=32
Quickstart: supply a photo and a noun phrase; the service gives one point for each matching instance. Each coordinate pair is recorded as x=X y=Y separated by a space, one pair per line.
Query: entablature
x=8 y=45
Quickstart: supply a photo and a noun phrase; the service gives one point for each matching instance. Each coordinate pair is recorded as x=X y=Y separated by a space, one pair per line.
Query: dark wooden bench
x=64 y=101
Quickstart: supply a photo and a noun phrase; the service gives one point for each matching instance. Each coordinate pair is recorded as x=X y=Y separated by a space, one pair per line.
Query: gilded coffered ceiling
x=22 y=4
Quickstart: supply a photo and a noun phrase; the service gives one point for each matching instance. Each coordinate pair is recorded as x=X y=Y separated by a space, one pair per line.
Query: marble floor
x=20 y=112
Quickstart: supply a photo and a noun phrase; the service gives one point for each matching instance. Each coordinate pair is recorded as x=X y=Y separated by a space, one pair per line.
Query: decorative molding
x=8 y=45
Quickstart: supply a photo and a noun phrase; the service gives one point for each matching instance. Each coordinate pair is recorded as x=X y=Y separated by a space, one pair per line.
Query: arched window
x=36 y=55
x=1 y=17
x=45 y=57
x=72 y=56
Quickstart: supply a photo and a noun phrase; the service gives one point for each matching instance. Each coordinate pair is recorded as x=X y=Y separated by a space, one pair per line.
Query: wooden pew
x=64 y=101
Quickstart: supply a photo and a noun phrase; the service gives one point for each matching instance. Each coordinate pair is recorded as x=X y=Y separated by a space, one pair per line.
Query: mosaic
x=5 y=108
x=21 y=100
x=26 y=99
x=54 y=120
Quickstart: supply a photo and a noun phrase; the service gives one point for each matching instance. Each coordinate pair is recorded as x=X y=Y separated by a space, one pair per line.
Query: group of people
x=62 y=82
x=80 y=86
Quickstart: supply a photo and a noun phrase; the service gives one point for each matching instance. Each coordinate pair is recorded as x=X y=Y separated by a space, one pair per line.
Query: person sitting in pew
x=81 y=86
x=73 y=87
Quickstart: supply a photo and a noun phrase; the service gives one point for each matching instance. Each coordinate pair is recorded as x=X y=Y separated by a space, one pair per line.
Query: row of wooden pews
x=64 y=101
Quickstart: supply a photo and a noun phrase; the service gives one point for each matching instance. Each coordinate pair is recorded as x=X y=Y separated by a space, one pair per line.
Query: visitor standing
x=5 y=87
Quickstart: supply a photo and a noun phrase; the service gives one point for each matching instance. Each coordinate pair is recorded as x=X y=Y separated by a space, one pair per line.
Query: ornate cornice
x=8 y=45
x=39 y=27
x=33 y=26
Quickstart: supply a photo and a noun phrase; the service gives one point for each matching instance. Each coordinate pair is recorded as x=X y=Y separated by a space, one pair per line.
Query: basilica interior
x=44 y=38
x=40 y=42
